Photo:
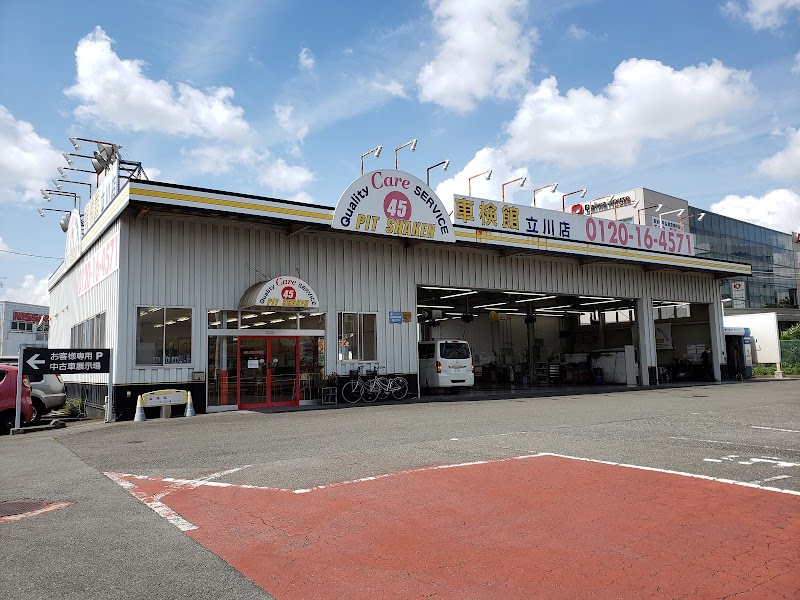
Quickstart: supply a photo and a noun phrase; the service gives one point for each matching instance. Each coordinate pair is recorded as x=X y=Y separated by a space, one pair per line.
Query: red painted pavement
x=536 y=527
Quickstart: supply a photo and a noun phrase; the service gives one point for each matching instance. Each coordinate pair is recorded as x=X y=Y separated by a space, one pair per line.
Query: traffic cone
x=139 y=410
x=189 y=406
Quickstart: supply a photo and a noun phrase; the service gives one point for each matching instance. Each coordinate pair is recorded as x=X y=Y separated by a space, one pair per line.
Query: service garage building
x=250 y=301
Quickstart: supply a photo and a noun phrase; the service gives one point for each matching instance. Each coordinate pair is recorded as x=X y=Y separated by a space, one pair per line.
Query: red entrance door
x=269 y=371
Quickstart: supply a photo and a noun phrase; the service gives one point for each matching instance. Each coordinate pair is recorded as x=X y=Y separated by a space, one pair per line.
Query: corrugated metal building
x=160 y=273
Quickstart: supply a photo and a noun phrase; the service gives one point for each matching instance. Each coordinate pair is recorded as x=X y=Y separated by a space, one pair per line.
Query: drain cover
x=11 y=508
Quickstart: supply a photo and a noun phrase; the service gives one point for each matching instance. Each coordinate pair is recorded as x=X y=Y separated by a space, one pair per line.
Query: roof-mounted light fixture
x=678 y=211
x=522 y=181
x=488 y=174
x=544 y=187
x=658 y=208
x=564 y=196
x=75 y=197
x=699 y=217
x=376 y=150
x=76 y=183
x=444 y=164
x=64 y=221
x=412 y=143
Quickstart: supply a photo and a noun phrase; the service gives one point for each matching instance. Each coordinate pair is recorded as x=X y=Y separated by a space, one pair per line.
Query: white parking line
x=686 y=439
x=774 y=429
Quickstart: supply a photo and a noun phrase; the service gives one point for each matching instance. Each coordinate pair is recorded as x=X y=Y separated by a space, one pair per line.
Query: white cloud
x=483 y=52
x=297 y=130
x=117 y=93
x=465 y=181
x=218 y=160
x=393 y=88
x=577 y=33
x=646 y=100
x=282 y=177
x=762 y=14
x=29 y=291
x=796 y=66
x=276 y=174
x=302 y=196
x=3 y=245
x=778 y=209
x=153 y=173
x=786 y=163
x=306 y=60
x=27 y=160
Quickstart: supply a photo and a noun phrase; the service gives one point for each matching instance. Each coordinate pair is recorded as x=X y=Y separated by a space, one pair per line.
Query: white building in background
x=22 y=324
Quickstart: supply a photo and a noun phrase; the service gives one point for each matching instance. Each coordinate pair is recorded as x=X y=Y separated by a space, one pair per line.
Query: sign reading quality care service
x=395 y=203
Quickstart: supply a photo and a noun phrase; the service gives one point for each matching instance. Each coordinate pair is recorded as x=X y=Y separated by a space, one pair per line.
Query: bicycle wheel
x=399 y=388
x=382 y=387
x=370 y=391
x=351 y=392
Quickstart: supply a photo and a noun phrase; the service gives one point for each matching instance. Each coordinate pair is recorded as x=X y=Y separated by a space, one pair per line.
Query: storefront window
x=280 y=320
x=90 y=333
x=264 y=319
x=312 y=320
x=164 y=336
x=358 y=337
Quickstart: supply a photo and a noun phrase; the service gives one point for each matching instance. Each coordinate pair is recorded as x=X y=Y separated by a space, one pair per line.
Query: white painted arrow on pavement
x=35 y=363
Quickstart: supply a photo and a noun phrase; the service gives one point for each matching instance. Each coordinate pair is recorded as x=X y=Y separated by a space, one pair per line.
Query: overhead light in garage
x=534 y=299
x=600 y=302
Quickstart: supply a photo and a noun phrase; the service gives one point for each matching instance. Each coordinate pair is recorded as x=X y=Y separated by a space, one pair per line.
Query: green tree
x=793 y=333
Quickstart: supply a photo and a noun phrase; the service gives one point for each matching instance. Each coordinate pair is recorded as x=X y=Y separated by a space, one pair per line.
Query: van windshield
x=452 y=350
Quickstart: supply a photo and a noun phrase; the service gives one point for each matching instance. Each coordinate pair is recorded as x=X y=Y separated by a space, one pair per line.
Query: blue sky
x=696 y=99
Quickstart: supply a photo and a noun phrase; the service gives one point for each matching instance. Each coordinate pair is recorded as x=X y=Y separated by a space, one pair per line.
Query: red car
x=8 y=398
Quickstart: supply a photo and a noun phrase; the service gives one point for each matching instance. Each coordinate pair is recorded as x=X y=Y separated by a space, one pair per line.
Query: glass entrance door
x=283 y=373
x=268 y=371
x=252 y=372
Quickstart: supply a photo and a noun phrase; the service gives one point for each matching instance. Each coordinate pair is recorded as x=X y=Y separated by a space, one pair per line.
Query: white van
x=446 y=364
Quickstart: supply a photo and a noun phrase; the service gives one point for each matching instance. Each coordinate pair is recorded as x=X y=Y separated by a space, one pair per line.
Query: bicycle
x=372 y=386
x=396 y=386
x=360 y=388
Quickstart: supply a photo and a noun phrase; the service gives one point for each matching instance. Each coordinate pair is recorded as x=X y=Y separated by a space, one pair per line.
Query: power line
x=32 y=255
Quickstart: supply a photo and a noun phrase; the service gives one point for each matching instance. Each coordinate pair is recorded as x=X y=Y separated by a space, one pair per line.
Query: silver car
x=47 y=392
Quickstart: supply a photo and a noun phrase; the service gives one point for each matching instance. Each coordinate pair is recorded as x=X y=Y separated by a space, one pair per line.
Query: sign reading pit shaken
x=395 y=203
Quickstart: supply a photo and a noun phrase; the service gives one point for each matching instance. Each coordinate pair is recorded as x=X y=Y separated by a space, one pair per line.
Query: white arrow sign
x=34 y=364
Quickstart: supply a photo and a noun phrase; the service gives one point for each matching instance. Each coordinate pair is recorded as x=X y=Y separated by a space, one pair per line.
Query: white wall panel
x=67 y=308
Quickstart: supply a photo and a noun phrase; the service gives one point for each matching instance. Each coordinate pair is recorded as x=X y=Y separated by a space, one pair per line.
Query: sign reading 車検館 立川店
x=394 y=203
x=577 y=227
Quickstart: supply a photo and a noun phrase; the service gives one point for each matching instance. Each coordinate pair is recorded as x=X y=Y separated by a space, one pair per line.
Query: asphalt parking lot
x=735 y=446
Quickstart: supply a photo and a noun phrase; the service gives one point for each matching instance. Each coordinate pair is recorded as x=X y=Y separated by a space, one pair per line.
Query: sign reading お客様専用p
x=46 y=361
x=395 y=203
